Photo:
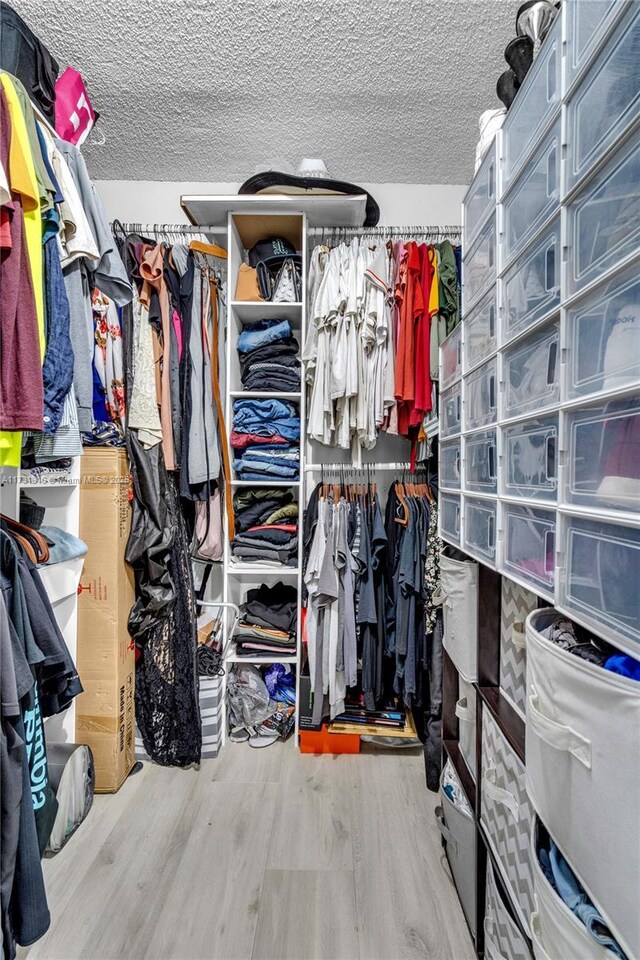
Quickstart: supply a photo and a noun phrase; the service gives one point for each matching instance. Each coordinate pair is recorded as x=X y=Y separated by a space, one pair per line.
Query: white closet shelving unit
x=61 y=499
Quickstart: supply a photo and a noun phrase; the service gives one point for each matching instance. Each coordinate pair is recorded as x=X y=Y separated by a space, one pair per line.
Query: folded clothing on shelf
x=264 y=435
x=268 y=624
x=266 y=528
x=269 y=357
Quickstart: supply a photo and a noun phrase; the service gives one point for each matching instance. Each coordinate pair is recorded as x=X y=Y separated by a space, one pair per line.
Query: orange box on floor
x=321 y=741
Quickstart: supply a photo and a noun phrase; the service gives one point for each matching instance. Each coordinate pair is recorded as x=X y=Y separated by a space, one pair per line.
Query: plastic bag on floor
x=72 y=776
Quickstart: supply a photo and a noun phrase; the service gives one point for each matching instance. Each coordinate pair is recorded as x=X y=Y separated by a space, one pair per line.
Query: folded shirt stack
x=268 y=623
x=269 y=357
x=266 y=521
x=265 y=437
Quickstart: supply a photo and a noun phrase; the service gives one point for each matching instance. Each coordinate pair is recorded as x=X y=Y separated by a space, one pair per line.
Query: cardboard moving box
x=106 y=660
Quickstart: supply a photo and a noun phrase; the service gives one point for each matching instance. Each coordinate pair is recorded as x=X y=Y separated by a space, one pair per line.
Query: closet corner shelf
x=510 y=722
x=452 y=749
x=264 y=394
x=322 y=210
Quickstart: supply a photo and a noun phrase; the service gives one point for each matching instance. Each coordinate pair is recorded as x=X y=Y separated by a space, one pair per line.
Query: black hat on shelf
x=507 y=87
x=519 y=56
x=272 y=252
x=534 y=20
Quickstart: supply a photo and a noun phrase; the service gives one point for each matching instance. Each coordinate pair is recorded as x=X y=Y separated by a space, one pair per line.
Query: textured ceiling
x=383 y=90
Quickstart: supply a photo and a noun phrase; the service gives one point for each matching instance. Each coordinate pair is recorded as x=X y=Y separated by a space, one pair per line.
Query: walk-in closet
x=320 y=481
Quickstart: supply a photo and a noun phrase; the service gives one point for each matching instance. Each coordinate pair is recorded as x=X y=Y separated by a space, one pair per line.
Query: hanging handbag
x=247 y=287
x=287 y=286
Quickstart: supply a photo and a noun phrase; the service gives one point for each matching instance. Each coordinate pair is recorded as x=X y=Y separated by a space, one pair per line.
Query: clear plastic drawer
x=531 y=287
x=481 y=462
x=586 y=24
x=603 y=337
x=481 y=196
x=481 y=396
x=449 y=473
x=530 y=456
x=603 y=459
x=535 y=103
x=480 y=332
x=480 y=528
x=534 y=196
x=451 y=354
x=607 y=100
x=450 y=518
x=529 y=545
x=450 y=411
x=532 y=373
x=604 y=220
x=600 y=580
x=479 y=267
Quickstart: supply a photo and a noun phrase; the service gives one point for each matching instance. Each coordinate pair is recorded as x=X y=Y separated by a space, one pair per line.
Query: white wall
x=411 y=204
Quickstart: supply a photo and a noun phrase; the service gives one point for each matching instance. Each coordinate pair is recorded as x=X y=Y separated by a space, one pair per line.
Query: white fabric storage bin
x=459 y=585
x=480 y=332
x=603 y=337
x=556 y=932
x=532 y=373
x=481 y=462
x=450 y=465
x=481 y=396
x=458 y=828
x=502 y=937
x=533 y=197
x=479 y=266
x=610 y=92
x=583 y=772
x=507 y=814
x=450 y=411
x=604 y=226
x=531 y=287
x=451 y=358
x=449 y=518
x=466 y=714
x=534 y=105
x=530 y=457
x=480 y=199
x=480 y=528
x=603 y=456
x=529 y=546
x=599 y=581
x=516 y=604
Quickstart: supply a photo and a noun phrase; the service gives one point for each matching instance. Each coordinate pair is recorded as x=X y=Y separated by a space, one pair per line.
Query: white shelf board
x=263 y=395
x=248 y=311
x=322 y=210
x=267 y=658
x=265 y=483
x=257 y=571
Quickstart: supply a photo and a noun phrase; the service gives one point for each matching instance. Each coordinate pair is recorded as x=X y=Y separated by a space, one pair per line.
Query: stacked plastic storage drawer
x=599 y=536
x=479 y=457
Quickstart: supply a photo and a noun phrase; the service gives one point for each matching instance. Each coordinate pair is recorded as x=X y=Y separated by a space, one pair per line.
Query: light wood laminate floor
x=259 y=855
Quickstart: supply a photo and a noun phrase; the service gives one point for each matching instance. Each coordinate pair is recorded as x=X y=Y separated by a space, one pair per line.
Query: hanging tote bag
x=75 y=116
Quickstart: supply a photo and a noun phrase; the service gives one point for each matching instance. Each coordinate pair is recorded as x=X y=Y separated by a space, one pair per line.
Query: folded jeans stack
x=266 y=522
x=269 y=357
x=265 y=436
x=268 y=623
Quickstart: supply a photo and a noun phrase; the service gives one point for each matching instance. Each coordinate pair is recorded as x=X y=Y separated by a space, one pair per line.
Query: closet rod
x=445 y=232
x=185 y=228
x=370 y=467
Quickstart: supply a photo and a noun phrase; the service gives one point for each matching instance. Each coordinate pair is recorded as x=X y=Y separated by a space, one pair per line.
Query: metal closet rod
x=185 y=228
x=388 y=231
x=365 y=468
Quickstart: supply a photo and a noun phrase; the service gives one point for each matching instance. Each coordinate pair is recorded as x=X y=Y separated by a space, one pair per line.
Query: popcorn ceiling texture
x=383 y=90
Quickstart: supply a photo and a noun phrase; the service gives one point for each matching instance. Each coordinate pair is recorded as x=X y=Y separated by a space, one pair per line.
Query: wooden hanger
x=209 y=249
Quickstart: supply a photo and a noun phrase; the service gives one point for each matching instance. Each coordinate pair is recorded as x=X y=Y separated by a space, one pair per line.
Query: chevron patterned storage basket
x=583 y=772
x=502 y=937
x=517 y=604
x=506 y=813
